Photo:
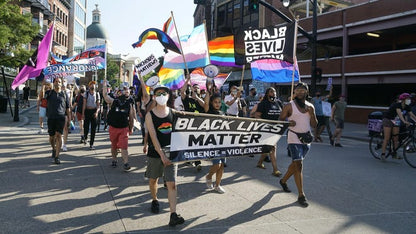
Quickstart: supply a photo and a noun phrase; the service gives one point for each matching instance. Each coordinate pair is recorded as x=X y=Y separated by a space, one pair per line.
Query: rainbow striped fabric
x=274 y=71
x=221 y=51
x=171 y=78
x=154 y=33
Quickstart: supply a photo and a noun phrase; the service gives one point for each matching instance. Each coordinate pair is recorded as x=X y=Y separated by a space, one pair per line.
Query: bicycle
x=407 y=141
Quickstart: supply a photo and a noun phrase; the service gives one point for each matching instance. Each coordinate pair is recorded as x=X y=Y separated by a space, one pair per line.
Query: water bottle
x=397 y=121
x=72 y=126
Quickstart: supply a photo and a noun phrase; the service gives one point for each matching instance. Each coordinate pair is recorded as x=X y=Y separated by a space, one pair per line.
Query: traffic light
x=318 y=74
x=253 y=6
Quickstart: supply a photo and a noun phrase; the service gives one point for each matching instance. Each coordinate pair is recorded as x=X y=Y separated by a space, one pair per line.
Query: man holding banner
x=301 y=115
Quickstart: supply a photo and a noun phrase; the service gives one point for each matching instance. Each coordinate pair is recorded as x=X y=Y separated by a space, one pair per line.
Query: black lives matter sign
x=264 y=43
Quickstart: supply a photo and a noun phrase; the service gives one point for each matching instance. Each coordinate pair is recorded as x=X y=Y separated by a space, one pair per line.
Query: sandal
x=261 y=166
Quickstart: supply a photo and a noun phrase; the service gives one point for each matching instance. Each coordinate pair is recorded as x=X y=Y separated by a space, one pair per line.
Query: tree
x=16 y=30
x=112 y=70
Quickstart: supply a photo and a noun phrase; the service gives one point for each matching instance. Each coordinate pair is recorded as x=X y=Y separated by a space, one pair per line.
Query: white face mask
x=162 y=100
x=407 y=102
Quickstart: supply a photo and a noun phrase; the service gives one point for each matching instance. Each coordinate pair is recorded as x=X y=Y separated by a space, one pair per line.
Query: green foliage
x=112 y=70
x=16 y=30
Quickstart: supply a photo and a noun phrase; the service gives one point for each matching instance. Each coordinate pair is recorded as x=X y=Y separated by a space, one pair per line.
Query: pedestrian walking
x=42 y=104
x=58 y=107
x=26 y=94
x=323 y=120
x=78 y=106
x=90 y=111
x=159 y=122
x=301 y=115
x=269 y=108
x=251 y=100
x=337 y=115
x=120 y=120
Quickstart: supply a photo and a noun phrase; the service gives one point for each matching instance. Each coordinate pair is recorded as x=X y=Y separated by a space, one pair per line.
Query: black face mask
x=300 y=102
x=254 y=93
x=318 y=95
x=122 y=97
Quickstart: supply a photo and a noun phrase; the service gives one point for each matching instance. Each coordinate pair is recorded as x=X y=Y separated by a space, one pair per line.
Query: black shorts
x=322 y=120
x=56 y=125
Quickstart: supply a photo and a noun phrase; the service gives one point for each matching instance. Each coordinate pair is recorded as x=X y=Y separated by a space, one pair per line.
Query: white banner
x=148 y=65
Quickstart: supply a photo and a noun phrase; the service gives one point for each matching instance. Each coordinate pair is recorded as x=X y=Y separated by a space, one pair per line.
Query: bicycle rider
x=392 y=120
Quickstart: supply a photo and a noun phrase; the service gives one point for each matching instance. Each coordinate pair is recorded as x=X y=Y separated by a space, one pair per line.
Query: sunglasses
x=161 y=94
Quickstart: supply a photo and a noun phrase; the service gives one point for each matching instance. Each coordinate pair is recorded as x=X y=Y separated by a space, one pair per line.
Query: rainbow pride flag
x=154 y=33
x=274 y=71
x=221 y=51
x=171 y=78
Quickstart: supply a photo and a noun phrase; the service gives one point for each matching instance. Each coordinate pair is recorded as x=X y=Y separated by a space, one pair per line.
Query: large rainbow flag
x=221 y=51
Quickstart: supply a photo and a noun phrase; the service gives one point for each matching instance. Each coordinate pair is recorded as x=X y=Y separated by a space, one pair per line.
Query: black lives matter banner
x=203 y=136
x=264 y=43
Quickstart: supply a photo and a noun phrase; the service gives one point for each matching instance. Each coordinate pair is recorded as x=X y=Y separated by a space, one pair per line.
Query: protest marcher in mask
x=90 y=111
x=159 y=122
x=78 y=106
x=301 y=115
x=269 y=108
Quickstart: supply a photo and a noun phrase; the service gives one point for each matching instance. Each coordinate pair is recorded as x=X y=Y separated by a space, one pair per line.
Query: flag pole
x=105 y=57
x=180 y=44
x=242 y=77
x=295 y=41
x=206 y=38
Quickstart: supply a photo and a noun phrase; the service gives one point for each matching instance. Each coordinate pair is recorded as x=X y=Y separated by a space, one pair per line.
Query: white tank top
x=302 y=120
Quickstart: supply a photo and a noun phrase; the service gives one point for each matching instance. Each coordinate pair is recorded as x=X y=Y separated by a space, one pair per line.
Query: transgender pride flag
x=194 y=48
x=274 y=71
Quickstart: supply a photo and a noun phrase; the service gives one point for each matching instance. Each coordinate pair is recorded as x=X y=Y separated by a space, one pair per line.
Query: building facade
x=60 y=9
x=77 y=30
x=366 y=47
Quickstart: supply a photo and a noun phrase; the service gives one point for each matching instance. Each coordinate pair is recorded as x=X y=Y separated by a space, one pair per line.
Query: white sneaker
x=64 y=149
x=41 y=131
x=209 y=183
x=219 y=189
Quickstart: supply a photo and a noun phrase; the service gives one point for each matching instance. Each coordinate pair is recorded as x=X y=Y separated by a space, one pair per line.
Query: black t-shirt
x=119 y=113
x=391 y=112
x=192 y=105
x=270 y=110
x=26 y=91
x=163 y=128
x=57 y=104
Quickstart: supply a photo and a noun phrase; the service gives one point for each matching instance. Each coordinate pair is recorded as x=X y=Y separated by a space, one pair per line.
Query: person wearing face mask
x=90 y=111
x=269 y=108
x=78 y=106
x=159 y=122
x=252 y=99
x=119 y=119
x=392 y=119
x=233 y=101
x=337 y=115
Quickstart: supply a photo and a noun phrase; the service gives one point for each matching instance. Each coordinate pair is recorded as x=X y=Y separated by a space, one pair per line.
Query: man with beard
x=301 y=115
x=269 y=108
x=120 y=119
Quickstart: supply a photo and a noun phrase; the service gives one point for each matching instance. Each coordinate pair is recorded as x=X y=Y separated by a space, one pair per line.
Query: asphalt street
x=348 y=190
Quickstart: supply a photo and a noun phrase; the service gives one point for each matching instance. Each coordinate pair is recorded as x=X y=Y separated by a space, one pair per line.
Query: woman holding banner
x=159 y=123
x=213 y=106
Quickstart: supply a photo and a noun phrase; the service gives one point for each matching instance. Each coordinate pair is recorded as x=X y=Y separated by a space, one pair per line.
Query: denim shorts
x=298 y=151
x=218 y=161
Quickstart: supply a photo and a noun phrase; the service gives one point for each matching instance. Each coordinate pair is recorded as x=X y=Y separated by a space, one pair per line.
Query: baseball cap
x=404 y=96
x=159 y=86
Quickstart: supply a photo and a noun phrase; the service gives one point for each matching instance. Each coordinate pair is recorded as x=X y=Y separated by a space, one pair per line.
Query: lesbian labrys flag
x=171 y=78
x=198 y=77
x=221 y=51
x=194 y=48
x=37 y=62
x=274 y=71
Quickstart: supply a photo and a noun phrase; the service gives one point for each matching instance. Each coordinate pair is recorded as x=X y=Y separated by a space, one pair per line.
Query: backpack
x=118 y=115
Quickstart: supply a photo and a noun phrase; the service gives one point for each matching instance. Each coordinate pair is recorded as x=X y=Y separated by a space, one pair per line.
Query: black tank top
x=163 y=128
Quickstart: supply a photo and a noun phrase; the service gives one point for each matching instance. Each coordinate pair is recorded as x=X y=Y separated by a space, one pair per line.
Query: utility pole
x=313 y=45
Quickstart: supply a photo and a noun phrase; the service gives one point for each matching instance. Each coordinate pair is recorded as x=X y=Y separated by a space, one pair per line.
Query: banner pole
x=295 y=62
x=242 y=77
x=206 y=38
x=180 y=44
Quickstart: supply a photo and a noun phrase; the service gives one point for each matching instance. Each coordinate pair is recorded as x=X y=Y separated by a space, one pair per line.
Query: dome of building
x=96 y=30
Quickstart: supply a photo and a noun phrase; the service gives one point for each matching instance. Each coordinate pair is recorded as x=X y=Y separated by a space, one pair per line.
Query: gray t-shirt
x=57 y=104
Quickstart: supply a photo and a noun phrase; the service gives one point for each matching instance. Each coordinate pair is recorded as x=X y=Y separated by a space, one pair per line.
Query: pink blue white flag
x=198 y=77
x=37 y=62
x=274 y=71
x=194 y=48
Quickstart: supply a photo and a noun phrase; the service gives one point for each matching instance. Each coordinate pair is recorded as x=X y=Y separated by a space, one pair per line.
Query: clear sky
x=125 y=20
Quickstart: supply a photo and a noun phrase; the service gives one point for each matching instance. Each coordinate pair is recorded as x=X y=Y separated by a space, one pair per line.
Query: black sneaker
x=53 y=153
x=338 y=145
x=267 y=159
x=114 y=164
x=331 y=141
x=302 y=201
x=155 y=208
x=175 y=219
x=57 y=161
x=284 y=186
x=126 y=166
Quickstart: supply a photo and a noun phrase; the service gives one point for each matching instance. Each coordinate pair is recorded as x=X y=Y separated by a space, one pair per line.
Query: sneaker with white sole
x=209 y=183
x=64 y=149
x=219 y=189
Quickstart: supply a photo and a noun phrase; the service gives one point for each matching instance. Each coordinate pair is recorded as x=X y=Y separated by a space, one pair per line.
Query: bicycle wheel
x=409 y=152
x=376 y=143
